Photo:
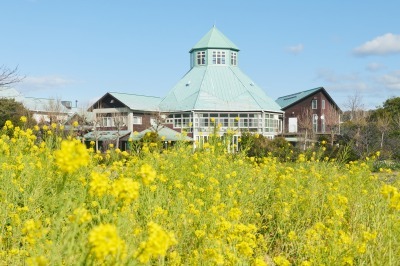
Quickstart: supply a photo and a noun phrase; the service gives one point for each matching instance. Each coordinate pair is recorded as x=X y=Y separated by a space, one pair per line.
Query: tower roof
x=216 y=88
x=215 y=39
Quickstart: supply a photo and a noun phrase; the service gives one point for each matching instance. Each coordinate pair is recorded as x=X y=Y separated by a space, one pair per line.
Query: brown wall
x=145 y=122
x=297 y=109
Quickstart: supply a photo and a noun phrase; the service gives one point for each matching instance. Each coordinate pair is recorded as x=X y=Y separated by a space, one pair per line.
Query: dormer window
x=218 y=57
x=233 y=58
x=201 y=58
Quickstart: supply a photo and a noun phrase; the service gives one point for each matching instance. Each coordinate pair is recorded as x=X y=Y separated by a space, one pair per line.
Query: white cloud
x=374 y=66
x=381 y=45
x=295 y=49
x=44 y=83
x=391 y=80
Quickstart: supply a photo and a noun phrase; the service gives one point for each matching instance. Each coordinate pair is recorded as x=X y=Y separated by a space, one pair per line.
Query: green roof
x=217 y=88
x=8 y=92
x=137 y=102
x=215 y=39
x=105 y=135
x=165 y=132
x=288 y=100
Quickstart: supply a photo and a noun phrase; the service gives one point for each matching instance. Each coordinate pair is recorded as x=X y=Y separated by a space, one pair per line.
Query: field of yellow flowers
x=64 y=204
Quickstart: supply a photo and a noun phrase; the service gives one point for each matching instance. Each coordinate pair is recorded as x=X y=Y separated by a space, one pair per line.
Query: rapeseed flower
x=125 y=190
x=157 y=244
x=71 y=156
x=99 y=184
x=147 y=173
x=105 y=244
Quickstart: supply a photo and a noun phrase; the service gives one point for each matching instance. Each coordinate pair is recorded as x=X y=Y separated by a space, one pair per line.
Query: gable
x=299 y=98
x=131 y=101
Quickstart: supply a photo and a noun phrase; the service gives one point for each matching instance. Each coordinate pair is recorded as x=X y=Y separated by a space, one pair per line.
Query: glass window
x=218 y=57
x=314 y=104
x=201 y=58
x=137 y=120
x=315 y=122
x=323 y=104
x=233 y=58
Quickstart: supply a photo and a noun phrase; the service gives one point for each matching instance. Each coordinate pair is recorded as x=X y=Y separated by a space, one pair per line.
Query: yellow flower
x=99 y=185
x=105 y=243
x=125 y=190
x=157 y=244
x=292 y=235
x=75 y=124
x=281 y=261
x=147 y=173
x=71 y=156
x=8 y=124
x=81 y=215
x=23 y=119
x=37 y=261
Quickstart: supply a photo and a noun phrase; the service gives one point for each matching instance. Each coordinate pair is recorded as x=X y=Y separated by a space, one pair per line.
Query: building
x=214 y=96
x=312 y=110
x=42 y=110
x=216 y=92
x=117 y=115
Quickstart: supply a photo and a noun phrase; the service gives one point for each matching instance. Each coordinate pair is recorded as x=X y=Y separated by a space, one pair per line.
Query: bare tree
x=119 y=121
x=305 y=122
x=158 y=120
x=332 y=121
x=383 y=124
x=9 y=76
x=358 y=116
x=355 y=106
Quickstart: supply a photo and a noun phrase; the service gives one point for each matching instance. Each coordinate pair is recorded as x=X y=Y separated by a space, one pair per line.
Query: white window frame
x=107 y=121
x=315 y=122
x=137 y=120
x=201 y=58
x=314 y=104
x=233 y=58
x=323 y=104
x=219 y=57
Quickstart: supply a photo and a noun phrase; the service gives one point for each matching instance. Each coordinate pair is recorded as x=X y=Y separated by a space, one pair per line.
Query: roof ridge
x=135 y=94
x=247 y=90
x=300 y=92
x=200 y=87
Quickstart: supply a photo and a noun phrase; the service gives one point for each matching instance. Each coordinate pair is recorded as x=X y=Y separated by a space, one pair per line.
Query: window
x=218 y=57
x=323 y=104
x=314 y=104
x=233 y=59
x=137 y=120
x=315 y=122
x=107 y=122
x=201 y=58
x=271 y=123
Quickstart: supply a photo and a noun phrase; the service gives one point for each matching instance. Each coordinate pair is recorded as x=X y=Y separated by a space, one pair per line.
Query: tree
x=305 y=122
x=9 y=76
x=12 y=110
x=383 y=124
x=332 y=120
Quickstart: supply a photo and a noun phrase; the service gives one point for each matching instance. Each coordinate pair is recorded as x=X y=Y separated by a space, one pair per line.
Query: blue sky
x=81 y=49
